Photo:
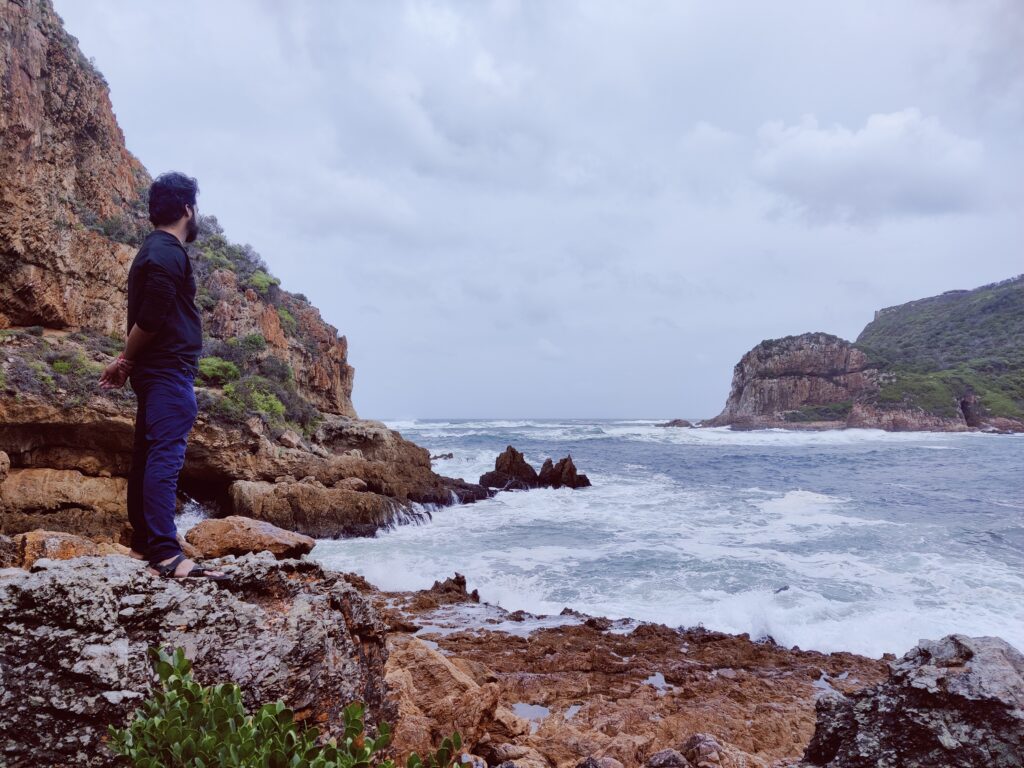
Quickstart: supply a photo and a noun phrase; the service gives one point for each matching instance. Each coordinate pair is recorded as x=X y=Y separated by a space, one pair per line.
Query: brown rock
x=66 y=500
x=351 y=484
x=511 y=472
x=290 y=439
x=5 y=466
x=562 y=474
x=435 y=697
x=783 y=375
x=317 y=511
x=54 y=545
x=236 y=535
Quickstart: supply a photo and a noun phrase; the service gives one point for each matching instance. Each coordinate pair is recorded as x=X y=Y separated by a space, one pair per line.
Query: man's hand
x=116 y=374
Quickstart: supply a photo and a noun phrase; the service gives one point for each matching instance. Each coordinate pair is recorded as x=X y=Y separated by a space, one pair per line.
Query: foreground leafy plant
x=187 y=725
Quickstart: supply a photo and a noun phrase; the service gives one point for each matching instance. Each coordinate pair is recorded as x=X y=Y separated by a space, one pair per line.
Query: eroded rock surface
x=953 y=703
x=73 y=649
x=782 y=376
x=554 y=691
x=237 y=535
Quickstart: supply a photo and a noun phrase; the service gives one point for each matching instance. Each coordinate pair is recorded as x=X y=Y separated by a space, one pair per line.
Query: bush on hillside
x=217 y=371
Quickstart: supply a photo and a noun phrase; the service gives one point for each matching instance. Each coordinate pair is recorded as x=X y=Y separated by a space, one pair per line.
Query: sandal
x=197 y=572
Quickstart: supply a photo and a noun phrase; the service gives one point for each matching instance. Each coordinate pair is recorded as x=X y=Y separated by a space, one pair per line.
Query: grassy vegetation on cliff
x=936 y=351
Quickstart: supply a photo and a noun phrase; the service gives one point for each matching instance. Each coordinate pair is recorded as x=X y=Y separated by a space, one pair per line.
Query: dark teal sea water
x=857 y=540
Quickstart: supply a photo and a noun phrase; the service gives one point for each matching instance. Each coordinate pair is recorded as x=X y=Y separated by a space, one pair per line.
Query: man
x=161 y=358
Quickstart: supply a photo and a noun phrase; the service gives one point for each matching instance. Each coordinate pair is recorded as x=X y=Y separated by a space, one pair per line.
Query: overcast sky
x=577 y=209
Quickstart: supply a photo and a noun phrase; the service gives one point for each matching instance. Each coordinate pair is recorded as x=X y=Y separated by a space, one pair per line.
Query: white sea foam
x=810 y=568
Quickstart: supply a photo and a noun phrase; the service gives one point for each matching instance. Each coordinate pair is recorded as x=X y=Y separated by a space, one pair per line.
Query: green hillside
x=938 y=349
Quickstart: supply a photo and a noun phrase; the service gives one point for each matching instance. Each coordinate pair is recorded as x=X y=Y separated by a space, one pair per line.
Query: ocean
x=855 y=540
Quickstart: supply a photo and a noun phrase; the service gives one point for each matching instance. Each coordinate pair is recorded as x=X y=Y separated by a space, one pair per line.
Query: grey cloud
x=902 y=163
x=559 y=209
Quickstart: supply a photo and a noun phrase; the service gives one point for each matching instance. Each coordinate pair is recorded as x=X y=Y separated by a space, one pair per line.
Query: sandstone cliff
x=947 y=363
x=277 y=435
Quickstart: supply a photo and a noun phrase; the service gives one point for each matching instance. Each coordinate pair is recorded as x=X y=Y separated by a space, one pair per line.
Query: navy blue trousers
x=166 y=412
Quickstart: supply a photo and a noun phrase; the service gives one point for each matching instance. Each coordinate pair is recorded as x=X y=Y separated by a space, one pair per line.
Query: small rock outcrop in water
x=237 y=535
x=677 y=423
x=73 y=647
x=953 y=703
x=563 y=473
x=513 y=473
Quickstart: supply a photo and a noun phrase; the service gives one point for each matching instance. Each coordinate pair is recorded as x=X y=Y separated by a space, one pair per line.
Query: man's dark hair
x=168 y=196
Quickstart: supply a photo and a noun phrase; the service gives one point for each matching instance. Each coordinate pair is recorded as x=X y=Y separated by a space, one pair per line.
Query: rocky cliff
x=949 y=363
x=277 y=435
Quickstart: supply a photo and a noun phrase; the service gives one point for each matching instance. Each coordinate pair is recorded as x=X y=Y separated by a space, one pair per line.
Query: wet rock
x=73 y=649
x=311 y=509
x=237 y=535
x=952 y=703
x=440 y=456
x=676 y=423
x=511 y=472
x=563 y=473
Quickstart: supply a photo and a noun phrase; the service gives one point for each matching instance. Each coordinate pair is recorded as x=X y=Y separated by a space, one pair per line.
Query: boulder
x=65 y=500
x=76 y=634
x=5 y=466
x=290 y=439
x=563 y=473
x=55 y=545
x=314 y=510
x=237 y=535
x=953 y=703
x=511 y=472
x=435 y=697
x=677 y=423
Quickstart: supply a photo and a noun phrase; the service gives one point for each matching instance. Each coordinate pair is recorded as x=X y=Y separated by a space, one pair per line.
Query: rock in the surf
x=511 y=472
x=564 y=473
x=955 y=702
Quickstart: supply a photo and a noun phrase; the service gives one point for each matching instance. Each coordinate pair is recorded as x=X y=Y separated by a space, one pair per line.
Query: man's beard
x=192 y=232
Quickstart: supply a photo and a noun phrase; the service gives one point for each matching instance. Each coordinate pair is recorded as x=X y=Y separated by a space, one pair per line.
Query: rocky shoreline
x=525 y=691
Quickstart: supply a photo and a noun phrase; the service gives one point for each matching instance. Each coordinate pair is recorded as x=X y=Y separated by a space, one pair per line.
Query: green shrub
x=187 y=725
x=830 y=412
x=260 y=282
x=253 y=394
x=287 y=320
x=217 y=371
x=252 y=344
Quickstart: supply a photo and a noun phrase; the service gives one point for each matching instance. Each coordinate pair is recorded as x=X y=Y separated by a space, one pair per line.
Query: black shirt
x=161 y=298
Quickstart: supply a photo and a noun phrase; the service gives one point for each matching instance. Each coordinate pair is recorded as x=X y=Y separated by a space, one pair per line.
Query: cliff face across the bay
x=947 y=363
x=277 y=435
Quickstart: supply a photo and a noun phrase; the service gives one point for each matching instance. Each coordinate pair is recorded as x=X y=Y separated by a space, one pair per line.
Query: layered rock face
x=949 y=363
x=783 y=376
x=76 y=632
x=72 y=212
x=68 y=464
x=62 y=158
x=953 y=703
